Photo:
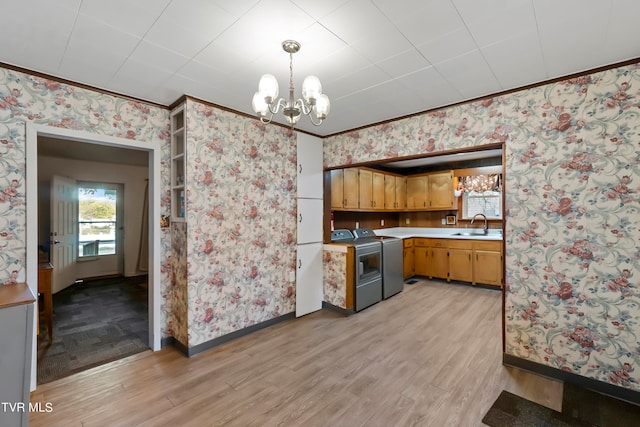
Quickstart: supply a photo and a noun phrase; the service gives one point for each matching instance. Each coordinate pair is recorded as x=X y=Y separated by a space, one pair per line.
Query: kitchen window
x=482 y=194
x=97 y=219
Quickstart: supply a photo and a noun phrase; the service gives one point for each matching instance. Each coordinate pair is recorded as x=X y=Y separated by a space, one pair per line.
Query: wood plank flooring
x=429 y=356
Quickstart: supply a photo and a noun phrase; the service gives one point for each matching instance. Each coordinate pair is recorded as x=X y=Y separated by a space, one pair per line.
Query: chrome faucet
x=486 y=227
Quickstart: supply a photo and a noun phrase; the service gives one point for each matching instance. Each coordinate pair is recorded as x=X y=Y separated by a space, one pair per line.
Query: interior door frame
x=33 y=131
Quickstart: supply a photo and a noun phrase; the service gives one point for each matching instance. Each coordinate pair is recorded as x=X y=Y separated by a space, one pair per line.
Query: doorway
x=95 y=143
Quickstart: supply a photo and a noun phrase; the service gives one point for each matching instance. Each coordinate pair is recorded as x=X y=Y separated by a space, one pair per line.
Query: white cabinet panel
x=310 y=176
x=309 y=220
x=309 y=293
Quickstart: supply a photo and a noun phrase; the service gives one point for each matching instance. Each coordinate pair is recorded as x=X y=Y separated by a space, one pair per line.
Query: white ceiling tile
x=429 y=20
x=566 y=52
x=516 y=61
x=492 y=20
x=429 y=84
x=319 y=9
x=448 y=46
x=34 y=42
x=236 y=8
x=134 y=17
x=158 y=57
x=470 y=74
x=359 y=80
x=403 y=63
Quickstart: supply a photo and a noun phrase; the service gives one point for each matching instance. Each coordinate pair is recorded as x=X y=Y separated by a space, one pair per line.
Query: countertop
x=15 y=294
x=439 y=233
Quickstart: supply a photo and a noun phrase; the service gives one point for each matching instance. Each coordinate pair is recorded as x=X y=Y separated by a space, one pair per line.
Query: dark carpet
x=94 y=322
x=580 y=407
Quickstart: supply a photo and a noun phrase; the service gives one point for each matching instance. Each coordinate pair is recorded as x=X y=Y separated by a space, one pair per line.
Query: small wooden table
x=44 y=288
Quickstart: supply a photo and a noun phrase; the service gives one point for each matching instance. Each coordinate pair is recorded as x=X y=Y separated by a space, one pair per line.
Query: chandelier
x=313 y=100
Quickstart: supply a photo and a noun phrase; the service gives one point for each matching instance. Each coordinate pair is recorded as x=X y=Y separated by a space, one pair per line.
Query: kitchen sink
x=470 y=234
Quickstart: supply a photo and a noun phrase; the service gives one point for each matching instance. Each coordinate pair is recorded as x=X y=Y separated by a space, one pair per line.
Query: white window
x=97 y=208
x=487 y=202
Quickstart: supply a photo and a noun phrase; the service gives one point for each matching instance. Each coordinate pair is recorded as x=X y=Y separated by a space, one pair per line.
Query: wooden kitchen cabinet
x=395 y=192
x=439 y=261
x=461 y=260
x=377 y=193
x=365 y=189
x=344 y=188
x=487 y=262
x=408 y=258
x=417 y=192
x=440 y=190
x=420 y=258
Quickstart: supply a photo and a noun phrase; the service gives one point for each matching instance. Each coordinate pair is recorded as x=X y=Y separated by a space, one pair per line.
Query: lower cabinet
x=408 y=258
x=474 y=261
x=461 y=260
x=487 y=262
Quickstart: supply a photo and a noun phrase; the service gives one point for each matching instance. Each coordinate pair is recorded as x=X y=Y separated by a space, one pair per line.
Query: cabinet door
x=350 y=188
x=440 y=190
x=401 y=192
x=377 y=189
x=439 y=263
x=389 y=192
x=408 y=263
x=309 y=151
x=365 y=190
x=309 y=294
x=421 y=260
x=460 y=265
x=487 y=267
x=337 y=194
x=309 y=220
x=416 y=192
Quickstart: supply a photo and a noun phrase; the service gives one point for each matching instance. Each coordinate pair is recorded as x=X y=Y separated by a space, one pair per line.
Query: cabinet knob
x=300 y=217
x=300 y=168
x=299 y=264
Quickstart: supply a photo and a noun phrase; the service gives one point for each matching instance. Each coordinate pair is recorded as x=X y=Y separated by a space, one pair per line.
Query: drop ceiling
x=377 y=59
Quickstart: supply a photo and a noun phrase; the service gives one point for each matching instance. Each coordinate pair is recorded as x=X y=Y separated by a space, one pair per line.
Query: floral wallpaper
x=334 y=277
x=241 y=216
x=23 y=98
x=572 y=226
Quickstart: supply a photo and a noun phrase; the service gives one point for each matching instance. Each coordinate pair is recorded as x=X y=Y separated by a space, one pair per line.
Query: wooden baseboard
x=558 y=374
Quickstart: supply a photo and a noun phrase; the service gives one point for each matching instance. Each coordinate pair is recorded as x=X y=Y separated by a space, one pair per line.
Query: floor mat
x=580 y=407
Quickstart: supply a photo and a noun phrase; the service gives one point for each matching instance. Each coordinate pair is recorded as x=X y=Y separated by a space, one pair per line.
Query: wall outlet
x=292 y=276
x=444 y=221
x=382 y=223
x=357 y=224
x=407 y=221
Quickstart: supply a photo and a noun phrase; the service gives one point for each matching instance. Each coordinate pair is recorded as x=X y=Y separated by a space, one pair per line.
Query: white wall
x=133 y=178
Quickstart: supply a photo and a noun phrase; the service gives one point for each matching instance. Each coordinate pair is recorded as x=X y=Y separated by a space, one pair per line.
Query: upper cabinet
x=178 y=161
x=417 y=192
x=344 y=188
x=370 y=189
x=310 y=173
x=440 y=190
x=395 y=192
x=364 y=189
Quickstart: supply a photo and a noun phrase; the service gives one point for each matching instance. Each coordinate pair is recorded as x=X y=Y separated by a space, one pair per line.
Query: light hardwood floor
x=429 y=356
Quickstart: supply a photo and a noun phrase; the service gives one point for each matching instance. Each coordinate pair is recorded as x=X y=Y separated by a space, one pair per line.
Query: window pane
x=488 y=203
x=96 y=221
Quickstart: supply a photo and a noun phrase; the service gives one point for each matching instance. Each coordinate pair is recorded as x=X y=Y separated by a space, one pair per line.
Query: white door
x=309 y=294
x=64 y=232
x=310 y=174
x=309 y=220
